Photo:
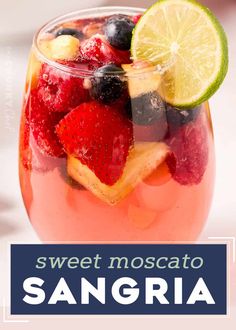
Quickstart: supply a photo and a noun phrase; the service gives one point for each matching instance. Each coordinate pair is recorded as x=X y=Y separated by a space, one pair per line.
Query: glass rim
x=84 y=13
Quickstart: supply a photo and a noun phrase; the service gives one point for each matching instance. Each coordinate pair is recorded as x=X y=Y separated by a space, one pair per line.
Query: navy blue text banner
x=119 y=279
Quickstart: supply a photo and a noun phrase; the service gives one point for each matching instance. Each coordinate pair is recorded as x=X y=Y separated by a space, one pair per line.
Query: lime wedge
x=185 y=39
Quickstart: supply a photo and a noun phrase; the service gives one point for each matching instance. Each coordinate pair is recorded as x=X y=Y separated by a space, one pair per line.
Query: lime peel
x=189 y=32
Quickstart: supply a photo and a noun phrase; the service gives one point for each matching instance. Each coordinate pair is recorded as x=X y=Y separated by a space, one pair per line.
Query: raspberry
x=42 y=124
x=24 y=149
x=32 y=159
x=136 y=18
x=97 y=50
x=60 y=91
x=188 y=160
x=99 y=136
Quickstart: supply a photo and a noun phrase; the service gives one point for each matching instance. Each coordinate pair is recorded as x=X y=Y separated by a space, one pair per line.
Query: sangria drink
x=116 y=141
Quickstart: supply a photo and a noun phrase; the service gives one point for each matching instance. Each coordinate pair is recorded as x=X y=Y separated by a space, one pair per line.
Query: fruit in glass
x=107 y=152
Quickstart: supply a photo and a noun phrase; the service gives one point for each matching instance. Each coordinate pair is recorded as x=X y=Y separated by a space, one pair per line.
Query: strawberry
x=188 y=160
x=97 y=50
x=99 y=136
x=42 y=124
x=136 y=18
x=60 y=91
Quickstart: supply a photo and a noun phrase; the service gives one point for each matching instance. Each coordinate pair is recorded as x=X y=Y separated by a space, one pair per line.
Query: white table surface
x=14 y=225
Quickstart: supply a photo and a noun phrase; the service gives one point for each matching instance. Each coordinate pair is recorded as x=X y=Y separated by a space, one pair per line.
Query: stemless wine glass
x=119 y=166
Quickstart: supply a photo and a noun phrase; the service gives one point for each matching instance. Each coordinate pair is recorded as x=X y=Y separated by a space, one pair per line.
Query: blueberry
x=179 y=117
x=107 y=85
x=128 y=109
x=147 y=108
x=69 y=31
x=118 y=31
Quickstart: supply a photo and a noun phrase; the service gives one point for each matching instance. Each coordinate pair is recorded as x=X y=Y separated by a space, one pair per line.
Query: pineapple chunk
x=33 y=71
x=141 y=80
x=143 y=159
x=35 y=64
x=45 y=47
x=65 y=47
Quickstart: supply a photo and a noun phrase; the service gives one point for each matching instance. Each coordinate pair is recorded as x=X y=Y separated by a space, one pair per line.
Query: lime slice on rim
x=186 y=38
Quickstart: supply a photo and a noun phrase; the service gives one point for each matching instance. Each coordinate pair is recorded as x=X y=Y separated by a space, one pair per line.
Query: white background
x=18 y=22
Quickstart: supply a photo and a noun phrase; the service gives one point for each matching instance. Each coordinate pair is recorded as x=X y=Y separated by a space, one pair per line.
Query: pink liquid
x=60 y=209
x=158 y=210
